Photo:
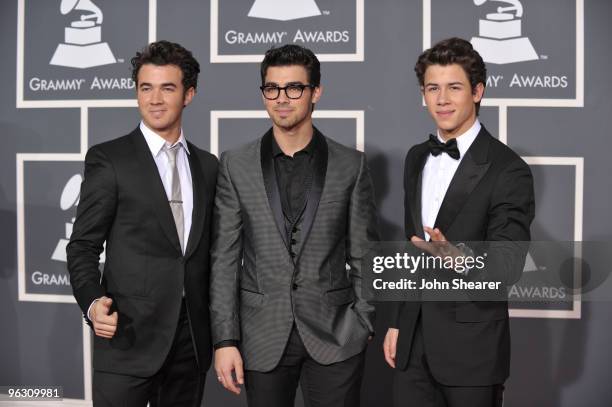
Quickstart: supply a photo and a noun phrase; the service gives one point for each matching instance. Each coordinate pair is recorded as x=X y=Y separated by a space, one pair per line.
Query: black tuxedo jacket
x=123 y=203
x=490 y=198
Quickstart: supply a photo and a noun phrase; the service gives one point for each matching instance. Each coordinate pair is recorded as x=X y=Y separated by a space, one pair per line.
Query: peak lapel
x=318 y=182
x=269 y=177
x=414 y=188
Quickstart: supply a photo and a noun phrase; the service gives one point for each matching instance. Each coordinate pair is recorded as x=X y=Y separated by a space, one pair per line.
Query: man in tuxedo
x=149 y=196
x=460 y=185
x=292 y=209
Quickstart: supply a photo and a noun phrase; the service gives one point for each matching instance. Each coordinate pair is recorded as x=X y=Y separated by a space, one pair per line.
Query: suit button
x=292 y=254
x=293 y=241
x=181 y=260
x=294 y=286
x=294 y=230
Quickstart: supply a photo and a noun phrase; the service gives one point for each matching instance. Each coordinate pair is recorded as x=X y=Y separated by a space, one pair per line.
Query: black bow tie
x=436 y=147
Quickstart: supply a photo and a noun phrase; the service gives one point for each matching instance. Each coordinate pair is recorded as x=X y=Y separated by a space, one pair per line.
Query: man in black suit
x=148 y=195
x=293 y=208
x=461 y=185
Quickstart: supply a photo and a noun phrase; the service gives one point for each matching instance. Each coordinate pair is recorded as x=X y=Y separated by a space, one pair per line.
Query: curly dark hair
x=454 y=51
x=292 y=54
x=168 y=53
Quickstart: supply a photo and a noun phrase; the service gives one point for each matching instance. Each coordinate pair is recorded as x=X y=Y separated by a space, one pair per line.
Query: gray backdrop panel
x=556 y=361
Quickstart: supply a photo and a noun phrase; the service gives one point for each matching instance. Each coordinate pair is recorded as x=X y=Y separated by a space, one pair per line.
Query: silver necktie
x=176 y=199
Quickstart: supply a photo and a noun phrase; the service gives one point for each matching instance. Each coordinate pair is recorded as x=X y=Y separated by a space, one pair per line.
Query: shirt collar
x=309 y=149
x=465 y=140
x=156 y=142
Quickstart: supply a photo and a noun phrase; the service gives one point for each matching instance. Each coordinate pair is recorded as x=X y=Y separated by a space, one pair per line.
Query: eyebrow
x=287 y=84
x=437 y=84
x=162 y=85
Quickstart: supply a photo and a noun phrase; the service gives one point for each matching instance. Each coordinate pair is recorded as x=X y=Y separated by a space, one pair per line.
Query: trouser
x=179 y=381
x=415 y=386
x=334 y=385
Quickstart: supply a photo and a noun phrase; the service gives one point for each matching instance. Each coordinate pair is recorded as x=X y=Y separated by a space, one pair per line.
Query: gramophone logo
x=68 y=201
x=530 y=265
x=83 y=46
x=500 y=40
x=284 y=10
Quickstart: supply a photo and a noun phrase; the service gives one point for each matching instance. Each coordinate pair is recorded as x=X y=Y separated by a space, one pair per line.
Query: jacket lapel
x=469 y=173
x=415 y=181
x=269 y=177
x=155 y=188
x=318 y=182
x=200 y=188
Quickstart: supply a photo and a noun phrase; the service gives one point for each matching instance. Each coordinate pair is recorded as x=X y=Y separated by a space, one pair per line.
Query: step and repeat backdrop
x=65 y=72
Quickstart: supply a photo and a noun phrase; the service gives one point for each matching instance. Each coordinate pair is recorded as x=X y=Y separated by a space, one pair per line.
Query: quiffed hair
x=168 y=53
x=454 y=51
x=292 y=54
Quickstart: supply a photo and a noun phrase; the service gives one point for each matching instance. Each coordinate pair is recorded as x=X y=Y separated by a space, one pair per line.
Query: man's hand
x=228 y=359
x=390 y=346
x=438 y=246
x=104 y=324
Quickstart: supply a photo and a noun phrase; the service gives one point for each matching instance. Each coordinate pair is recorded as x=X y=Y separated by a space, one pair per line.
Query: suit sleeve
x=226 y=258
x=513 y=204
x=95 y=215
x=363 y=228
x=511 y=212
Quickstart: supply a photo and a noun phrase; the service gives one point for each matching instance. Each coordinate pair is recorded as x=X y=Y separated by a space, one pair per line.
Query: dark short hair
x=292 y=54
x=454 y=51
x=168 y=53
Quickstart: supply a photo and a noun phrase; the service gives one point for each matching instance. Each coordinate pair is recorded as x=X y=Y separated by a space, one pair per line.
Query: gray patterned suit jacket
x=257 y=290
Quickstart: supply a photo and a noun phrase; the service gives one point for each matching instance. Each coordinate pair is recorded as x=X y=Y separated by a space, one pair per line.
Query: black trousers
x=416 y=387
x=335 y=385
x=178 y=382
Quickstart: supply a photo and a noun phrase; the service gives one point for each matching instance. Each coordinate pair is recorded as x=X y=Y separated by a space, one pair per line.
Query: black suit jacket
x=490 y=198
x=123 y=203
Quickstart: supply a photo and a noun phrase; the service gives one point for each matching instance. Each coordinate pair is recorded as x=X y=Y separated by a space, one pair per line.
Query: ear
x=478 y=92
x=189 y=94
x=316 y=93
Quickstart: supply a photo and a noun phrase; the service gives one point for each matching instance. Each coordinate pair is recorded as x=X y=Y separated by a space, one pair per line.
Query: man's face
x=450 y=99
x=286 y=113
x=161 y=97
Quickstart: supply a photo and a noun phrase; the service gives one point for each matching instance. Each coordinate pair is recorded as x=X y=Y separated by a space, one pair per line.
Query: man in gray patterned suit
x=292 y=209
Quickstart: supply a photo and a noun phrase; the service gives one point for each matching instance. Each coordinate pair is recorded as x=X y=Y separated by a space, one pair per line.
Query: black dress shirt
x=294 y=178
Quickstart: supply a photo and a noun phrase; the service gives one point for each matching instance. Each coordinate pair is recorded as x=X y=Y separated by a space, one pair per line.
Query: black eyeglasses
x=293 y=91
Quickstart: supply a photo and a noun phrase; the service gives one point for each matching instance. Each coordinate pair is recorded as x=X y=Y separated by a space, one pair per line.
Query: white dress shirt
x=156 y=144
x=438 y=174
